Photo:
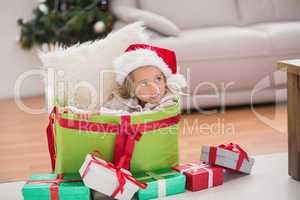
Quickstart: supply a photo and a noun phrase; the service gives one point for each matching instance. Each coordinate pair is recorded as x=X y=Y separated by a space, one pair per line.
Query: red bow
x=231 y=147
x=121 y=175
x=125 y=142
x=54 y=186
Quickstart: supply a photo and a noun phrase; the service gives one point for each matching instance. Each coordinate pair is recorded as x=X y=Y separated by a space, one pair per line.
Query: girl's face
x=149 y=84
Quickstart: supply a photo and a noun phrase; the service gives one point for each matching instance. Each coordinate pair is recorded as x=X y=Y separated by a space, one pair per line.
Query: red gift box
x=201 y=176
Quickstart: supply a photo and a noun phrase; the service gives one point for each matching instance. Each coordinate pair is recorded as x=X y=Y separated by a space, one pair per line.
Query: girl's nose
x=153 y=87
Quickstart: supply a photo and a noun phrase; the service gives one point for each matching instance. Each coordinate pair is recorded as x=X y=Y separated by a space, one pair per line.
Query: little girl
x=145 y=75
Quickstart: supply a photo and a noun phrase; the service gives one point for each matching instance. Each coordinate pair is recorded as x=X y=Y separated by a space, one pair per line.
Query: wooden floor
x=23 y=145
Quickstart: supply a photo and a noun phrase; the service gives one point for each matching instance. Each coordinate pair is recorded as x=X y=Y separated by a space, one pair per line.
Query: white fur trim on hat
x=176 y=81
x=132 y=60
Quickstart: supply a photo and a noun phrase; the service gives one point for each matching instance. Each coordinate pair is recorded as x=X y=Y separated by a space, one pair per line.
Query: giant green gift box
x=66 y=190
x=174 y=183
x=156 y=149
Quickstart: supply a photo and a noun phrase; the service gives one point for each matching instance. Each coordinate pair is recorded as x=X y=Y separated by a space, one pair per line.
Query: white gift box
x=101 y=176
x=227 y=158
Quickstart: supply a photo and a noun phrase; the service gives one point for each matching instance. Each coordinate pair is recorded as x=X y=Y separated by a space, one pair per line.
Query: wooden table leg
x=294 y=124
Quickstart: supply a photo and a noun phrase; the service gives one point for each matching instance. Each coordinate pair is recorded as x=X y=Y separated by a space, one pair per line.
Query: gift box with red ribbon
x=200 y=176
x=160 y=183
x=108 y=178
x=230 y=156
x=55 y=187
x=148 y=140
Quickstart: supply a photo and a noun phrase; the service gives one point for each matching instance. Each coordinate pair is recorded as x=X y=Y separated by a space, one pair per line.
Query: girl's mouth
x=155 y=96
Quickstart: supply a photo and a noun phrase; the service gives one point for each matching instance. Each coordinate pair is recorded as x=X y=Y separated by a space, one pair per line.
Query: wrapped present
x=142 y=136
x=201 y=176
x=160 y=183
x=55 y=187
x=230 y=156
x=108 y=179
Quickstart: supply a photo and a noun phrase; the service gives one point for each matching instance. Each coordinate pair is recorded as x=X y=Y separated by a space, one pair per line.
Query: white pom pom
x=99 y=27
x=176 y=81
x=44 y=8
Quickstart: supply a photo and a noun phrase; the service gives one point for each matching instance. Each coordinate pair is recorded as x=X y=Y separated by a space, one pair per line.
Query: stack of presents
x=125 y=157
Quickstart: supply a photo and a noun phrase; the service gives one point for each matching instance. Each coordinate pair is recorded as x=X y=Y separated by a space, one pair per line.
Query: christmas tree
x=66 y=22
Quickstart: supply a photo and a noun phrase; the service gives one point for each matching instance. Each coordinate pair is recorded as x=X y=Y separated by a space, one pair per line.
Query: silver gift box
x=227 y=158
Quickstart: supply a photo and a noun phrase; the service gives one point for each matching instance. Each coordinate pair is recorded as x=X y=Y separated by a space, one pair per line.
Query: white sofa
x=232 y=44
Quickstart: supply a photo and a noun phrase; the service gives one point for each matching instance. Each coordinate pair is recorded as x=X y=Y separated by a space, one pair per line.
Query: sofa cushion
x=284 y=36
x=255 y=11
x=151 y=20
x=217 y=43
x=152 y=34
x=234 y=74
x=258 y=11
x=194 y=13
x=130 y=3
x=287 y=9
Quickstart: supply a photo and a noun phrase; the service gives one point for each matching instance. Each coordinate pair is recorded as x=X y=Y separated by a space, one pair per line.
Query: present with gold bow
x=200 y=176
x=230 y=156
x=160 y=183
x=108 y=178
x=55 y=187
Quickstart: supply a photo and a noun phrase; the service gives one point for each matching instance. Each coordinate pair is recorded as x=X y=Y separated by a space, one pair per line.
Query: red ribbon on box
x=121 y=175
x=127 y=134
x=50 y=138
x=231 y=147
x=125 y=142
x=54 y=186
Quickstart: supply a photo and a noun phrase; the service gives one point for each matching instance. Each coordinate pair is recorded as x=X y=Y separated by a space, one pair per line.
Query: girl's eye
x=158 y=79
x=144 y=83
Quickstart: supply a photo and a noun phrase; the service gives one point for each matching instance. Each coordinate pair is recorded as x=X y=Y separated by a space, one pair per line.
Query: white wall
x=14 y=60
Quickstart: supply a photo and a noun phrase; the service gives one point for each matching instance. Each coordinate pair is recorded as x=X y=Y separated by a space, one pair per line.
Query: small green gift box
x=160 y=183
x=55 y=187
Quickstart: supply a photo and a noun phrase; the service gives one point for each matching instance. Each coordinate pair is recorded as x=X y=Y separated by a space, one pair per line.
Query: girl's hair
x=126 y=90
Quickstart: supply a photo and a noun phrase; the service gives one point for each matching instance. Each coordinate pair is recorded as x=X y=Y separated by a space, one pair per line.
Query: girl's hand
x=82 y=114
x=64 y=109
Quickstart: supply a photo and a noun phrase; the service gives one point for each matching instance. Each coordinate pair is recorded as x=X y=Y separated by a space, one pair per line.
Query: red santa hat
x=139 y=55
